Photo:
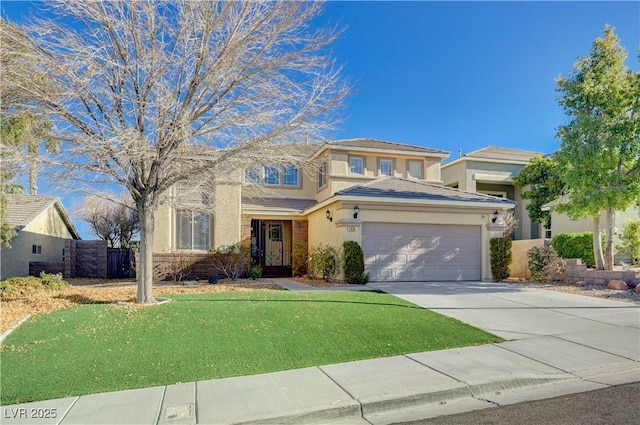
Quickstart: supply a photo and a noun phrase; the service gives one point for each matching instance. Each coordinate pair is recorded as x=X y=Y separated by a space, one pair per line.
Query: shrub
x=575 y=245
x=22 y=287
x=324 y=262
x=300 y=258
x=233 y=261
x=544 y=263
x=500 y=257
x=353 y=262
x=256 y=272
x=630 y=240
x=179 y=266
x=53 y=281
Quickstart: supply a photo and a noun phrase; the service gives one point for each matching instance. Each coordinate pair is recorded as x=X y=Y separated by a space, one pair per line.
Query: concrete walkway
x=558 y=344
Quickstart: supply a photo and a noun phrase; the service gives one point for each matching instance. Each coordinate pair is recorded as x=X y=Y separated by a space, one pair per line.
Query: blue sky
x=460 y=75
x=464 y=75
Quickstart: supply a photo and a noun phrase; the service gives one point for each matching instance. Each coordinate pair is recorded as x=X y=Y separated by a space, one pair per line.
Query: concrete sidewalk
x=561 y=344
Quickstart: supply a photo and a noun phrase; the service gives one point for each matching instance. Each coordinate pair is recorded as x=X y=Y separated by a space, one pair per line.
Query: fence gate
x=120 y=263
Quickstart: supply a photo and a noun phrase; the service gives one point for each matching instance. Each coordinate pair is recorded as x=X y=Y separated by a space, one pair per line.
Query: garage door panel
x=421 y=252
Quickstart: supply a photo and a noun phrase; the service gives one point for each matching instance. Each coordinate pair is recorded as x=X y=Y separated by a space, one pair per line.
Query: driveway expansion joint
x=346 y=392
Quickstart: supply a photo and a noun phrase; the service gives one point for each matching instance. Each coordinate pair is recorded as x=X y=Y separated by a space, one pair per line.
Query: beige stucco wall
x=47 y=230
x=163 y=230
x=227 y=220
x=519 y=267
x=483 y=177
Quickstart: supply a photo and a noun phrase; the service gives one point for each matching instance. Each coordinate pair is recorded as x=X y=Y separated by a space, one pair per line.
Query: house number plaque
x=351 y=229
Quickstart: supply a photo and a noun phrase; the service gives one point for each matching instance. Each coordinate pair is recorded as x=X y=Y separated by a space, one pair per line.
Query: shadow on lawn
x=81 y=299
x=298 y=300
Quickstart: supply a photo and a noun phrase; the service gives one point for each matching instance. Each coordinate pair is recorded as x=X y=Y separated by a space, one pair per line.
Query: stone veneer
x=578 y=272
x=299 y=233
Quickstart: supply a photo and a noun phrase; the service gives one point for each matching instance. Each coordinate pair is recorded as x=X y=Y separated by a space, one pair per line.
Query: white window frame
x=391 y=170
x=496 y=193
x=322 y=174
x=36 y=249
x=351 y=166
x=285 y=174
x=268 y=173
x=252 y=175
x=194 y=215
x=421 y=168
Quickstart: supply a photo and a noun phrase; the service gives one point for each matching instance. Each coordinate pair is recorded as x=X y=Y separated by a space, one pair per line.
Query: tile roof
x=382 y=145
x=22 y=209
x=495 y=152
x=277 y=204
x=394 y=187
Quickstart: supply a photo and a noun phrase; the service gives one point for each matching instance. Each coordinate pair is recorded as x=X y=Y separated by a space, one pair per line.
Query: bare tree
x=156 y=93
x=115 y=222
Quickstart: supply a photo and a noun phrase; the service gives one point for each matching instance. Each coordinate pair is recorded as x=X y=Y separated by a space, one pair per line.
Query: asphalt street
x=610 y=406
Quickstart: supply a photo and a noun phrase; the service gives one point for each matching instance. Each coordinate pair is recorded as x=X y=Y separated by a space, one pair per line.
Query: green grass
x=98 y=348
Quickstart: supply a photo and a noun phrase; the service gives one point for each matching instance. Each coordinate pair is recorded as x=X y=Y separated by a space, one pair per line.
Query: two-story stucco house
x=491 y=171
x=389 y=197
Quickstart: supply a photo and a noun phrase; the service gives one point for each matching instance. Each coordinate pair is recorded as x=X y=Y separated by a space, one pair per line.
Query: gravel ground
x=590 y=290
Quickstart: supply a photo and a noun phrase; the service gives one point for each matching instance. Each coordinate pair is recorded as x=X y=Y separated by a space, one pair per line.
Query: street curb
x=13 y=328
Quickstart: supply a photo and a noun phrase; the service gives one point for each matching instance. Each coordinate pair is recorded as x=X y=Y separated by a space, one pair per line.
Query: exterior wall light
x=356 y=211
x=328 y=215
x=495 y=217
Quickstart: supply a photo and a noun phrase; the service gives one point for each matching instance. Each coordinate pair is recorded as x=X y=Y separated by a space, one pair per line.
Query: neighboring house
x=562 y=223
x=491 y=171
x=389 y=197
x=42 y=227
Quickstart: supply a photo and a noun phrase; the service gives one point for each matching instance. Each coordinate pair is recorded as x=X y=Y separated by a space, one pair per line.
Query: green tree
x=600 y=151
x=544 y=178
x=22 y=131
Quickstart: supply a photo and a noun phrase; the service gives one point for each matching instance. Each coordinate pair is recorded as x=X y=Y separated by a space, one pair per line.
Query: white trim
x=497 y=177
x=418 y=202
x=379 y=150
x=492 y=160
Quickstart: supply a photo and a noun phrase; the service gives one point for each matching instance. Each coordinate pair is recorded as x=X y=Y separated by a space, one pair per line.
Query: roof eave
x=502 y=205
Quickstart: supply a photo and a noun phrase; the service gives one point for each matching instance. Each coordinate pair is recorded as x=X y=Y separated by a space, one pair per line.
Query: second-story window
x=356 y=165
x=414 y=170
x=386 y=167
x=322 y=174
x=272 y=175
x=291 y=176
x=252 y=175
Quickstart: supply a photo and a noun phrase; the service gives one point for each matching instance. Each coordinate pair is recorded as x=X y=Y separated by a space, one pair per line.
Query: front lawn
x=100 y=347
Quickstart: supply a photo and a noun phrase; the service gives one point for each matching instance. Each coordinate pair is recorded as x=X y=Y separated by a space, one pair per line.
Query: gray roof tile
x=495 y=152
x=394 y=187
x=22 y=209
x=382 y=145
x=277 y=204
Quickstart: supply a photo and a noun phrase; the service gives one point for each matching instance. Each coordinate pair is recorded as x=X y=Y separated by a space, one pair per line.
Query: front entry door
x=274 y=246
x=271 y=246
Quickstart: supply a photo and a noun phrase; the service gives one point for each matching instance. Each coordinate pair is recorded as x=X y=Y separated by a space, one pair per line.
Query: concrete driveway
x=564 y=330
x=513 y=312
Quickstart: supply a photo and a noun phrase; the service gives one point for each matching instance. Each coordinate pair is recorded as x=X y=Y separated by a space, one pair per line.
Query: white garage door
x=421 y=252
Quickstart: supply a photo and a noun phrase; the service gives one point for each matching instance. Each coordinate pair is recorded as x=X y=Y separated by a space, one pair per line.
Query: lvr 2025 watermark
x=29 y=413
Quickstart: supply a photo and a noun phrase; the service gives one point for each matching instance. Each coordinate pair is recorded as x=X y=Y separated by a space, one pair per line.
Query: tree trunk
x=146 y=212
x=33 y=172
x=608 y=250
x=597 y=244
